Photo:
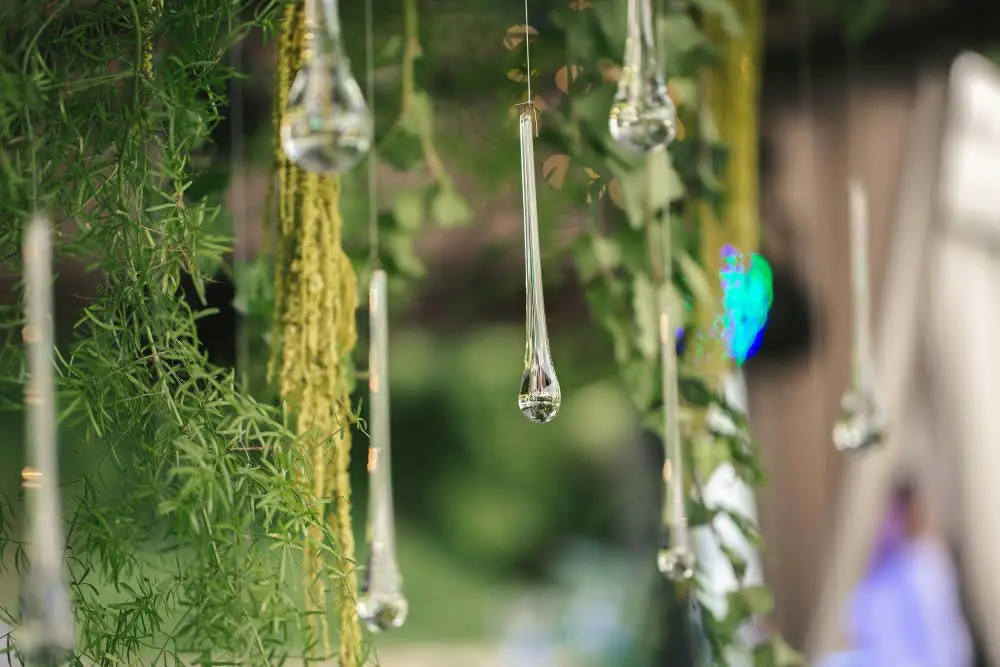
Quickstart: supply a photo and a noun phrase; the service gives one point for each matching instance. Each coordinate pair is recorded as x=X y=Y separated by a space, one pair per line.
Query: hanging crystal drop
x=643 y=116
x=381 y=605
x=46 y=635
x=327 y=127
x=676 y=559
x=540 y=395
x=861 y=423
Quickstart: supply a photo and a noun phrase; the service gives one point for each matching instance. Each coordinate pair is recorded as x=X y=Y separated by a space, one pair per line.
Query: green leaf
x=695 y=279
x=401 y=148
x=724 y=11
x=408 y=209
x=681 y=39
x=694 y=392
x=391 y=51
x=640 y=378
x=708 y=456
x=665 y=183
x=736 y=560
x=449 y=209
x=647 y=316
x=418 y=116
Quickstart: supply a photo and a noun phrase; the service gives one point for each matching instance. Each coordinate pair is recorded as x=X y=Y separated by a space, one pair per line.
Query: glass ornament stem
x=327 y=127
x=540 y=395
x=323 y=34
x=382 y=605
x=675 y=559
x=860 y=286
x=47 y=630
x=861 y=423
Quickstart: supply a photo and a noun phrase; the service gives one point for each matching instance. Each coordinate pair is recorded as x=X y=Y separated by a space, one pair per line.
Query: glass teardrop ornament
x=327 y=127
x=861 y=423
x=47 y=632
x=381 y=605
x=642 y=116
x=380 y=609
x=539 y=396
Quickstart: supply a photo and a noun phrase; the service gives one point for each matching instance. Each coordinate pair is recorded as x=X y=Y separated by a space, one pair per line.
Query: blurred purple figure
x=906 y=612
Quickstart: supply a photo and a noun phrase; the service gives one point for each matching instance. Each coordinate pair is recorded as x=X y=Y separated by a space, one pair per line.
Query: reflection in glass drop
x=46 y=635
x=676 y=563
x=327 y=127
x=381 y=605
x=643 y=116
x=861 y=423
x=540 y=395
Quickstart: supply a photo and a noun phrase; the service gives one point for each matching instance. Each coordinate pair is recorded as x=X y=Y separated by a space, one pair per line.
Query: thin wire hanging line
x=240 y=215
x=820 y=373
x=373 y=247
x=527 y=49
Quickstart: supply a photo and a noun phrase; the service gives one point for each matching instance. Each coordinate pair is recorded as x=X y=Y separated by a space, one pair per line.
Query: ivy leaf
x=708 y=456
x=682 y=41
x=750 y=601
x=449 y=209
x=596 y=254
x=777 y=653
x=418 y=115
x=640 y=378
x=391 y=51
x=728 y=17
x=646 y=314
x=408 y=210
x=695 y=279
x=400 y=255
x=694 y=392
x=401 y=148
x=736 y=560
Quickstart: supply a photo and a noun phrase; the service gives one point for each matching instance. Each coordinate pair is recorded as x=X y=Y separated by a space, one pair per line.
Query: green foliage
x=186 y=531
x=409 y=147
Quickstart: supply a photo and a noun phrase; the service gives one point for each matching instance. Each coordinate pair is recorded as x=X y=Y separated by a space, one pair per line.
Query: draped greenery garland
x=316 y=296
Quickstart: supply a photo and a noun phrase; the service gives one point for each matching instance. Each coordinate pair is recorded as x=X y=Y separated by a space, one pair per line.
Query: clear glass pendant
x=381 y=605
x=540 y=396
x=46 y=635
x=676 y=559
x=327 y=127
x=861 y=423
x=643 y=116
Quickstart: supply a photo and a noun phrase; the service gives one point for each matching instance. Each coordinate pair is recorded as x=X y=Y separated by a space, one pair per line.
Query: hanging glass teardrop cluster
x=327 y=127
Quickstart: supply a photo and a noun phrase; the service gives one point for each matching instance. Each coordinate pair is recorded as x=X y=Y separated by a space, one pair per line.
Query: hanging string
x=238 y=192
x=530 y=103
x=820 y=261
x=373 y=247
x=527 y=50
